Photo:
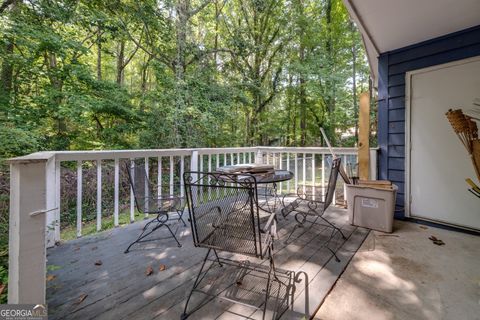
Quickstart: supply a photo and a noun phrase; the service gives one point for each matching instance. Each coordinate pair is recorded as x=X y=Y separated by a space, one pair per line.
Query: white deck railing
x=35 y=194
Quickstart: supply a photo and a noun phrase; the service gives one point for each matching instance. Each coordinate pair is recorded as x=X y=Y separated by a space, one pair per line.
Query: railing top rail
x=126 y=154
x=310 y=149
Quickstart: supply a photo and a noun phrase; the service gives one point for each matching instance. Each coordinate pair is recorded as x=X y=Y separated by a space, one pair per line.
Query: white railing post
x=259 y=157
x=79 y=197
x=58 y=202
x=51 y=223
x=99 y=195
x=116 y=191
x=194 y=164
x=132 y=194
x=27 y=245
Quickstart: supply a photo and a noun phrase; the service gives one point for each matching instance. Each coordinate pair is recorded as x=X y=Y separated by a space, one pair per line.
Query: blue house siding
x=392 y=67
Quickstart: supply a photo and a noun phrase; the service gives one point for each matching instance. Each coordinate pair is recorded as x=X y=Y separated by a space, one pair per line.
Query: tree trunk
x=354 y=82
x=6 y=74
x=121 y=62
x=62 y=141
x=303 y=101
x=330 y=85
x=99 y=53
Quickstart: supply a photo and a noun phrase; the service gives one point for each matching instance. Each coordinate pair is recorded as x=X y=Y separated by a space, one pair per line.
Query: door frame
x=408 y=89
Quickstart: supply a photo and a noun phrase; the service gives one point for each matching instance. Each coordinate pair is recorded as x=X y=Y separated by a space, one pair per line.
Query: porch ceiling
x=391 y=24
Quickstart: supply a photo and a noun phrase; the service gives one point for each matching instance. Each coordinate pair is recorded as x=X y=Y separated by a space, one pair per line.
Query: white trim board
x=408 y=138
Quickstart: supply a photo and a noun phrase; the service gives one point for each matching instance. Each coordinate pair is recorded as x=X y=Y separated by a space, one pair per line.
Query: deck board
x=119 y=288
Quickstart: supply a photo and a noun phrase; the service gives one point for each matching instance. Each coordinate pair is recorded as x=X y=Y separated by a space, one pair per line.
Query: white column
x=27 y=246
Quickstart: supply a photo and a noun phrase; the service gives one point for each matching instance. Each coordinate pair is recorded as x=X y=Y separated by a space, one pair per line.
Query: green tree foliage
x=122 y=74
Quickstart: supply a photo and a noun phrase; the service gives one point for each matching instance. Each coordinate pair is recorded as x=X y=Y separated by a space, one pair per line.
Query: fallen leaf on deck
x=98 y=262
x=162 y=267
x=80 y=299
x=436 y=241
x=149 y=271
x=94 y=248
x=76 y=249
x=424 y=227
x=50 y=277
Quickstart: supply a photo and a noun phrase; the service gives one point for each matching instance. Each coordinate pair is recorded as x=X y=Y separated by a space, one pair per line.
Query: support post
x=363 y=137
x=27 y=246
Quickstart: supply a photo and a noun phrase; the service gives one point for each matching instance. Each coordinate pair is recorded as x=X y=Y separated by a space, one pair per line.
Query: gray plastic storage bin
x=371 y=207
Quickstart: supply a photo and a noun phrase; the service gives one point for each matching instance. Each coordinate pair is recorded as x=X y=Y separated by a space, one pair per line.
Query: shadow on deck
x=94 y=279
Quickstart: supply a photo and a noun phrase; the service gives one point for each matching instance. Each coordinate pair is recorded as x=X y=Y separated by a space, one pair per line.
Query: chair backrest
x=332 y=183
x=146 y=199
x=223 y=212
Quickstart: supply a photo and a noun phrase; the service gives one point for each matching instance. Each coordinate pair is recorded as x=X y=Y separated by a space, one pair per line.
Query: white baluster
x=99 y=195
x=116 y=192
x=79 y=198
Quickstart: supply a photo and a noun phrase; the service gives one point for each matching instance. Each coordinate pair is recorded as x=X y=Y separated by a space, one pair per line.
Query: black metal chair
x=309 y=203
x=148 y=203
x=224 y=216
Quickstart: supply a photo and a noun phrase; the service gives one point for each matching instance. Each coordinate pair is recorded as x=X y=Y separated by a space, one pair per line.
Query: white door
x=438 y=162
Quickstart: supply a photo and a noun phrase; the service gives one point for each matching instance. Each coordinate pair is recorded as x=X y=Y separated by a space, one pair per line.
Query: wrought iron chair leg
x=218 y=259
x=142 y=235
x=334 y=253
x=267 y=293
x=195 y=284
x=180 y=217
x=271 y=272
x=334 y=227
x=173 y=234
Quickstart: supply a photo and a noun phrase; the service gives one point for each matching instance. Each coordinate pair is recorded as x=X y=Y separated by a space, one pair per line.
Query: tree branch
x=5 y=5
x=193 y=12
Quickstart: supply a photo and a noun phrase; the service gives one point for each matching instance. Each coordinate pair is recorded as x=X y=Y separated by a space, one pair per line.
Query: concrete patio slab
x=405 y=276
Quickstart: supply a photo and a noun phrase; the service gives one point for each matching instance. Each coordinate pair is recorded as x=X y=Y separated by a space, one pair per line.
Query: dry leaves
x=94 y=248
x=424 y=227
x=436 y=241
x=50 y=277
x=149 y=271
x=80 y=299
x=162 y=267
x=98 y=262
x=76 y=249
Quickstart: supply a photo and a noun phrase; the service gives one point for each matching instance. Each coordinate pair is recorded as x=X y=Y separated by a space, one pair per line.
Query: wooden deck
x=118 y=287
